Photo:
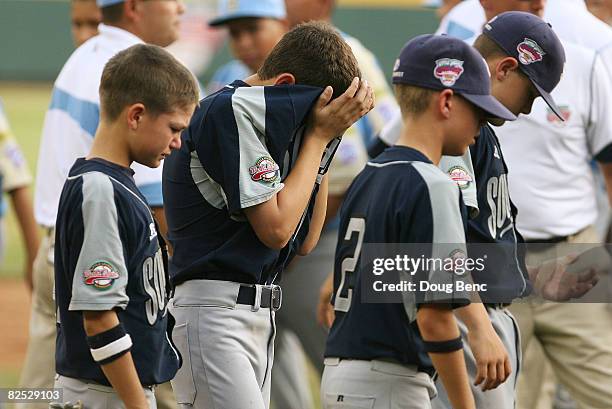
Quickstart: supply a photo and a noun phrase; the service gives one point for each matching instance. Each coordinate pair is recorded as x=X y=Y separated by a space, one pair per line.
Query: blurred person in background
x=254 y=27
x=68 y=131
x=602 y=9
x=15 y=179
x=84 y=17
x=442 y=6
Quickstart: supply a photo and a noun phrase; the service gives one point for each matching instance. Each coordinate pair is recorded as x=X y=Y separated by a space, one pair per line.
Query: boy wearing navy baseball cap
x=526 y=60
x=385 y=354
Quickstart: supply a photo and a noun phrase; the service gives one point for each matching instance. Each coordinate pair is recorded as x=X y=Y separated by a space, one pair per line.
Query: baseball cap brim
x=549 y=101
x=248 y=14
x=491 y=106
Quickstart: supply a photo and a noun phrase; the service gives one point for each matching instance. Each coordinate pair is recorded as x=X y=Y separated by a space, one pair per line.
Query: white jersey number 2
x=356 y=225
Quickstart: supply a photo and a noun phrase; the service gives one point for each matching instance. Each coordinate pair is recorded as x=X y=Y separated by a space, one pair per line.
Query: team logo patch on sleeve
x=460 y=176
x=264 y=170
x=529 y=52
x=101 y=275
x=448 y=71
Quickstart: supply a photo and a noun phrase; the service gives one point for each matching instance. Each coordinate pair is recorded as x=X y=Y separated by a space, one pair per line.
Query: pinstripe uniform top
x=107 y=257
x=239 y=147
x=400 y=197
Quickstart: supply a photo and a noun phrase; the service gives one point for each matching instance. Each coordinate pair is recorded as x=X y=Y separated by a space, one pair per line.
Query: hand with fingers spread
x=332 y=118
x=492 y=361
x=553 y=282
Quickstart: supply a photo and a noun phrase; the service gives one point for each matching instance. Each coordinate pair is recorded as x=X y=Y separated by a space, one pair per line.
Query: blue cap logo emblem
x=448 y=71
x=529 y=52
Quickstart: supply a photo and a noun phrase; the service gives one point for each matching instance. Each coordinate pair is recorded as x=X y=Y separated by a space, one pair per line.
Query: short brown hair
x=413 y=100
x=316 y=55
x=147 y=74
x=488 y=48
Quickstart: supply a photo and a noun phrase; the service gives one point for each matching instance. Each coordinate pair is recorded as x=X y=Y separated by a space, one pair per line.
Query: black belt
x=556 y=239
x=270 y=297
x=496 y=305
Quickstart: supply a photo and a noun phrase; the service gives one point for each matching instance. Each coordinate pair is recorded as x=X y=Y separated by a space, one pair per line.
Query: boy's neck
x=424 y=136
x=110 y=146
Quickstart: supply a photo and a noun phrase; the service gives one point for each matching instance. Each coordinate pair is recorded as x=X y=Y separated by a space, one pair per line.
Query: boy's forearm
x=121 y=372
x=317 y=220
x=275 y=220
x=453 y=373
x=123 y=377
x=436 y=324
x=474 y=316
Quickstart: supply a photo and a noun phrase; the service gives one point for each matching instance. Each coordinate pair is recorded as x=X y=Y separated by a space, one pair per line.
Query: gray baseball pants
x=227 y=348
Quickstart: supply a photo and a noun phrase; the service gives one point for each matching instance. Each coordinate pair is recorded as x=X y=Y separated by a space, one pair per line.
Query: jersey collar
x=118 y=34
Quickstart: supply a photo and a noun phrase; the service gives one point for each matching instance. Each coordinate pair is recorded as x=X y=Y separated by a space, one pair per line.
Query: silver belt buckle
x=276 y=300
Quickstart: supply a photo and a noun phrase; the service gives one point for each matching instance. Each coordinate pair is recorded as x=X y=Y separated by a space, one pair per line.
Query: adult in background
x=69 y=128
x=85 y=17
x=554 y=189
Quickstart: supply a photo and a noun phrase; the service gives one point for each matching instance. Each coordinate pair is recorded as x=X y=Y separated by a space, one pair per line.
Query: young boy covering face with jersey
x=385 y=354
x=110 y=279
x=245 y=193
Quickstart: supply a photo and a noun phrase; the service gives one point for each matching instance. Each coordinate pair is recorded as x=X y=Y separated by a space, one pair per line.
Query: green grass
x=25 y=105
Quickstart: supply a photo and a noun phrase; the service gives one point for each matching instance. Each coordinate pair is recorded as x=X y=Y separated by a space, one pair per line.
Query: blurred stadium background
x=34 y=44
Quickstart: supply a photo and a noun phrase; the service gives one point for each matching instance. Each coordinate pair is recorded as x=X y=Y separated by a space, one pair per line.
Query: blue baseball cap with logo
x=104 y=3
x=535 y=45
x=441 y=62
x=235 y=9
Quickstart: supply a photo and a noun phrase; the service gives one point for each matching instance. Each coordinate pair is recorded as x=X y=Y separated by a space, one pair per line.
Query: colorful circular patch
x=460 y=176
x=101 y=275
x=264 y=170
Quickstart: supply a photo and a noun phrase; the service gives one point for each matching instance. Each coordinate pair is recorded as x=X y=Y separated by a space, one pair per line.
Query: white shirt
x=72 y=119
x=570 y=19
x=550 y=176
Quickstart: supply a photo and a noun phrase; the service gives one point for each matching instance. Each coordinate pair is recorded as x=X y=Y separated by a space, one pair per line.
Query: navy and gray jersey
x=400 y=197
x=239 y=147
x=107 y=257
x=491 y=231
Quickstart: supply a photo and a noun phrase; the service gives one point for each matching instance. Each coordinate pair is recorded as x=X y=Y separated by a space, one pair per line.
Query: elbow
x=276 y=238
x=436 y=323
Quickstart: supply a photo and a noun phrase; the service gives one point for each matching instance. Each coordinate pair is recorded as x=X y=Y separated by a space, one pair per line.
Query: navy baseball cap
x=235 y=9
x=104 y=3
x=441 y=62
x=535 y=45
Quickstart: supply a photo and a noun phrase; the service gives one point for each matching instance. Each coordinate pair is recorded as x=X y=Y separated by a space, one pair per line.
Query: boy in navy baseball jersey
x=111 y=285
x=387 y=353
x=526 y=60
x=245 y=193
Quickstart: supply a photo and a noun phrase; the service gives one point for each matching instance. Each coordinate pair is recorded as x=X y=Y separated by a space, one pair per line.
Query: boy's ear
x=445 y=103
x=130 y=9
x=284 y=78
x=134 y=113
x=505 y=67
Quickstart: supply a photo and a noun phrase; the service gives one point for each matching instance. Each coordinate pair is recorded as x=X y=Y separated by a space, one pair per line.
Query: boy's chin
x=455 y=150
x=496 y=121
x=150 y=162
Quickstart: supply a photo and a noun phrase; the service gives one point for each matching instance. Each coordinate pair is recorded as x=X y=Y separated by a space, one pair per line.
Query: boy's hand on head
x=332 y=119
